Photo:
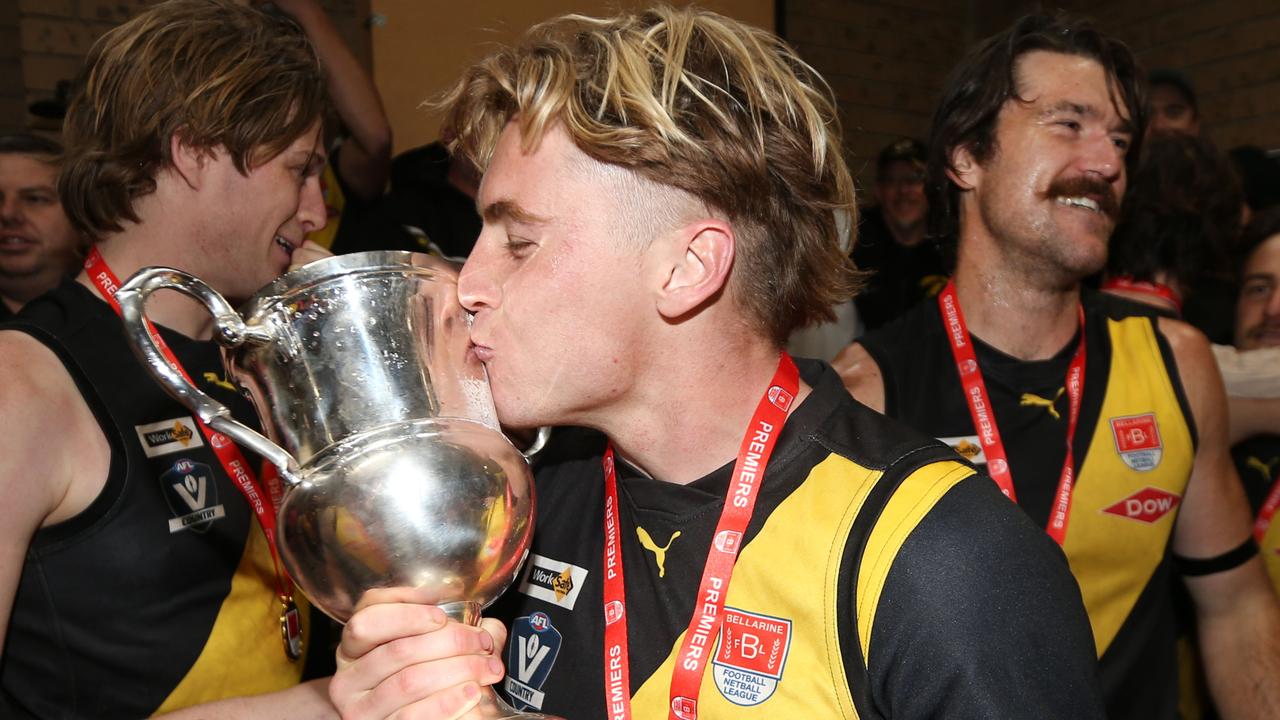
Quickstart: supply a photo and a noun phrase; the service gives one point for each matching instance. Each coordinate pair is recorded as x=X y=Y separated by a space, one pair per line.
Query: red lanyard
x=233 y=462
x=1268 y=511
x=691 y=662
x=1159 y=290
x=984 y=420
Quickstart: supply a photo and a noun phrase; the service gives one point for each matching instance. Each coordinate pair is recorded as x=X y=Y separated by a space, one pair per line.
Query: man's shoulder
x=910 y=332
x=868 y=438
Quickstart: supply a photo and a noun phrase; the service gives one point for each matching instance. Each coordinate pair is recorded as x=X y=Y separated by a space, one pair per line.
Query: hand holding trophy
x=399 y=482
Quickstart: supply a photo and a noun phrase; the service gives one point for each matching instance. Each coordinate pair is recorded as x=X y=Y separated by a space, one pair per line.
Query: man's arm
x=1252 y=416
x=980 y=617
x=54 y=462
x=308 y=701
x=1237 y=615
x=861 y=376
x=365 y=159
x=53 y=455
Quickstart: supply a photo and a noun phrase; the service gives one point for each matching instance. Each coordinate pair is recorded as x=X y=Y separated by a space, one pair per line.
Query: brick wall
x=44 y=41
x=1229 y=49
x=886 y=60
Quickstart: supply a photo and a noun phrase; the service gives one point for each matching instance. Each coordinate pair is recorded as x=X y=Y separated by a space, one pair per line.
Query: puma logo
x=1262 y=467
x=659 y=553
x=213 y=379
x=1031 y=399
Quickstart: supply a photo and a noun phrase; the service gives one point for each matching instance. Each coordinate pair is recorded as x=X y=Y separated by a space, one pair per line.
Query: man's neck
x=1011 y=311
x=692 y=418
x=127 y=252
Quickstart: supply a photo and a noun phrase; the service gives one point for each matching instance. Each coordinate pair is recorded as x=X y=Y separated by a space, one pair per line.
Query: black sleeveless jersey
x=161 y=593
x=1258 y=464
x=1133 y=451
x=875 y=580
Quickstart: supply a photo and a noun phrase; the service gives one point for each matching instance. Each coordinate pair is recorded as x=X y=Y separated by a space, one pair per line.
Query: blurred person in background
x=903 y=265
x=38 y=246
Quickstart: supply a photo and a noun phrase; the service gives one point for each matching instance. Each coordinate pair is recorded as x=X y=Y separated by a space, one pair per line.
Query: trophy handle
x=539 y=442
x=230 y=330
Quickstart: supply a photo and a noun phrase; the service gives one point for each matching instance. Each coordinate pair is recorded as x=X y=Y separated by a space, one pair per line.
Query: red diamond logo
x=1147 y=505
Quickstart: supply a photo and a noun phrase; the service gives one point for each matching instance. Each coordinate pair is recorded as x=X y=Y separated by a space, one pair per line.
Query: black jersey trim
x=50 y=538
x=1175 y=378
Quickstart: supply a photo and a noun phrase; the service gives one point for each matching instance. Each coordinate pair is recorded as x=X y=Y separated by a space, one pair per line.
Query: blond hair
x=214 y=72
x=694 y=100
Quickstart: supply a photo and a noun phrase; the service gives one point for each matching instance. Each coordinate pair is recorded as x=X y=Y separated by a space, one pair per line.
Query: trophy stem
x=491 y=706
x=466 y=612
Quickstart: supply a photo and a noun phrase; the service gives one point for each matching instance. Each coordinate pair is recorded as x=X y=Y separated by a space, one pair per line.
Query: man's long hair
x=987 y=78
x=216 y=73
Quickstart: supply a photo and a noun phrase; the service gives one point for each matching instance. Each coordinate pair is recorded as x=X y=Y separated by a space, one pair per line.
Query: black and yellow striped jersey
x=161 y=594
x=879 y=577
x=1133 y=452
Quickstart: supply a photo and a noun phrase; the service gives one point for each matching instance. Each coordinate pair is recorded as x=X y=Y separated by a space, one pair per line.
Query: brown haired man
x=1107 y=427
x=133 y=580
x=38 y=246
x=660 y=203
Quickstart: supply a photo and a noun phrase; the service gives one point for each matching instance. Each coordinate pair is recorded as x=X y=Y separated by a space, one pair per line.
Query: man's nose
x=311 y=210
x=477 y=286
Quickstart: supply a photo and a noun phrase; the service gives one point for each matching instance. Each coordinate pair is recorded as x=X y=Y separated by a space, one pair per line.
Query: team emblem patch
x=751 y=655
x=168 y=436
x=192 y=494
x=531 y=652
x=1138 y=441
x=1147 y=505
x=554 y=581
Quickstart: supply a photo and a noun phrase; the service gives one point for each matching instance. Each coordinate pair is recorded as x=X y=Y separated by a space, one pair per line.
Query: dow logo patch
x=192 y=493
x=1147 y=505
x=751 y=655
x=1137 y=440
x=168 y=436
x=531 y=652
x=556 y=582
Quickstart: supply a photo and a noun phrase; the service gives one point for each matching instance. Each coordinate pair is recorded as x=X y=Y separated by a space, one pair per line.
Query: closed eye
x=518 y=247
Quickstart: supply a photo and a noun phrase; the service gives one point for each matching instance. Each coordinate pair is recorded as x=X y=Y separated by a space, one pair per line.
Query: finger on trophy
x=398 y=594
x=431 y=670
x=308 y=252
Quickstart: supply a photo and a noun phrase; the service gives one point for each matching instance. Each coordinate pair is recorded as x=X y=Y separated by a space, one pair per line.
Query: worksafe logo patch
x=531 y=653
x=168 y=436
x=554 y=581
x=1138 y=441
x=1147 y=505
x=192 y=494
x=968 y=447
x=750 y=656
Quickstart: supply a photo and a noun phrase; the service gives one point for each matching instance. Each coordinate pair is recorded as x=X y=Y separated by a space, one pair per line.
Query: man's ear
x=189 y=162
x=698 y=268
x=964 y=170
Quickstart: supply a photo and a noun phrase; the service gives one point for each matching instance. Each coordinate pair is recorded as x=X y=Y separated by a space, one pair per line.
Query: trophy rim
x=303 y=279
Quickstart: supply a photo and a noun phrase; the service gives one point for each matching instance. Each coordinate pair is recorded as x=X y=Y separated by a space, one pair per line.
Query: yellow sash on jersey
x=245 y=653
x=1122 y=517
x=811 y=526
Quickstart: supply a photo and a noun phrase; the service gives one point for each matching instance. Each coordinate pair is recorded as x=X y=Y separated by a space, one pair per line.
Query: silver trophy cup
x=381 y=423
